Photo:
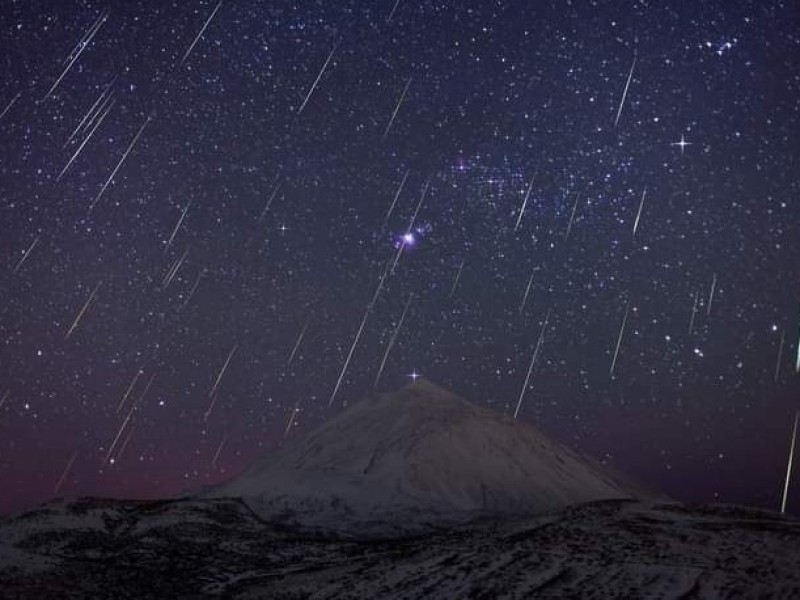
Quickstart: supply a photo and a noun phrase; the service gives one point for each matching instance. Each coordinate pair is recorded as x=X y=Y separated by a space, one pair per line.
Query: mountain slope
x=417 y=458
x=118 y=549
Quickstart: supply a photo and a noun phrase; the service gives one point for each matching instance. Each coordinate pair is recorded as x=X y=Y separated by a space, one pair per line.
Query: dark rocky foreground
x=94 y=548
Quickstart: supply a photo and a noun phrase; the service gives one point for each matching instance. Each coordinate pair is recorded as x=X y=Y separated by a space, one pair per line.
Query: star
x=414 y=375
x=682 y=144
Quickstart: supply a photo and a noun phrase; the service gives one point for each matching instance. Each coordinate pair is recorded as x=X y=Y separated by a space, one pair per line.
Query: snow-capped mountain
x=417 y=458
x=496 y=508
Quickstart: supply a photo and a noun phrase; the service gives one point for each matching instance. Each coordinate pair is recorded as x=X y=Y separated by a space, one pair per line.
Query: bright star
x=682 y=144
x=414 y=375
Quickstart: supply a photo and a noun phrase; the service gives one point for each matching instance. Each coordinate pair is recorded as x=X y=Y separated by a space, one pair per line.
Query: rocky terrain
x=220 y=548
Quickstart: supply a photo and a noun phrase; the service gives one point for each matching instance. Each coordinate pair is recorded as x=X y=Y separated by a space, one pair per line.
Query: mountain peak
x=418 y=455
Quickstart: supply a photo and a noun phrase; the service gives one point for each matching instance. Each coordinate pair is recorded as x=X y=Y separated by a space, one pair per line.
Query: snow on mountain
x=417 y=458
x=218 y=548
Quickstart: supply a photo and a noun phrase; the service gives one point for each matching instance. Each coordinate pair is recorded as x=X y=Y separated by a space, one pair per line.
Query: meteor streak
x=81 y=46
x=194 y=288
x=297 y=344
x=780 y=355
x=358 y=334
x=128 y=418
x=625 y=92
x=525 y=296
x=639 y=213
x=397 y=108
x=174 y=270
x=394 y=201
x=92 y=113
x=411 y=223
x=85 y=141
x=533 y=361
x=455 y=281
x=797 y=359
x=219 y=449
x=711 y=294
x=129 y=390
x=292 y=416
x=10 y=104
x=269 y=200
x=222 y=371
x=524 y=203
x=316 y=81
x=394 y=8
x=83 y=310
x=694 y=312
x=572 y=216
x=392 y=340
x=619 y=338
x=121 y=160
x=126 y=442
x=27 y=253
x=199 y=35
x=350 y=354
x=65 y=472
x=789 y=466
x=178 y=224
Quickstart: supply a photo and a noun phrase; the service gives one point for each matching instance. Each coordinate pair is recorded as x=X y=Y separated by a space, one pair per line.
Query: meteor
x=270 y=199
x=780 y=355
x=222 y=371
x=711 y=294
x=64 y=473
x=789 y=466
x=10 y=104
x=572 y=216
x=394 y=8
x=292 y=416
x=90 y=116
x=524 y=203
x=82 y=311
x=525 y=296
x=297 y=344
x=394 y=202
x=174 y=270
x=392 y=340
x=199 y=35
x=121 y=160
x=455 y=281
x=316 y=81
x=533 y=361
x=129 y=390
x=128 y=418
x=27 y=253
x=397 y=108
x=178 y=225
x=219 y=449
x=639 y=213
x=79 y=48
x=694 y=312
x=86 y=139
x=411 y=223
x=619 y=338
x=625 y=92
x=350 y=354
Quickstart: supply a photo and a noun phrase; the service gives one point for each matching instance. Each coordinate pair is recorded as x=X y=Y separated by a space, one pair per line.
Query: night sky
x=258 y=185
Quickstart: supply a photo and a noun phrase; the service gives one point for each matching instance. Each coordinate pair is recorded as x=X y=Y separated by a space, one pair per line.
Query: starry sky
x=221 y=222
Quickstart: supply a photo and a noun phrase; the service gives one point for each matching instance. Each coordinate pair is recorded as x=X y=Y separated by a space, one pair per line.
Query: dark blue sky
x=283 y=223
